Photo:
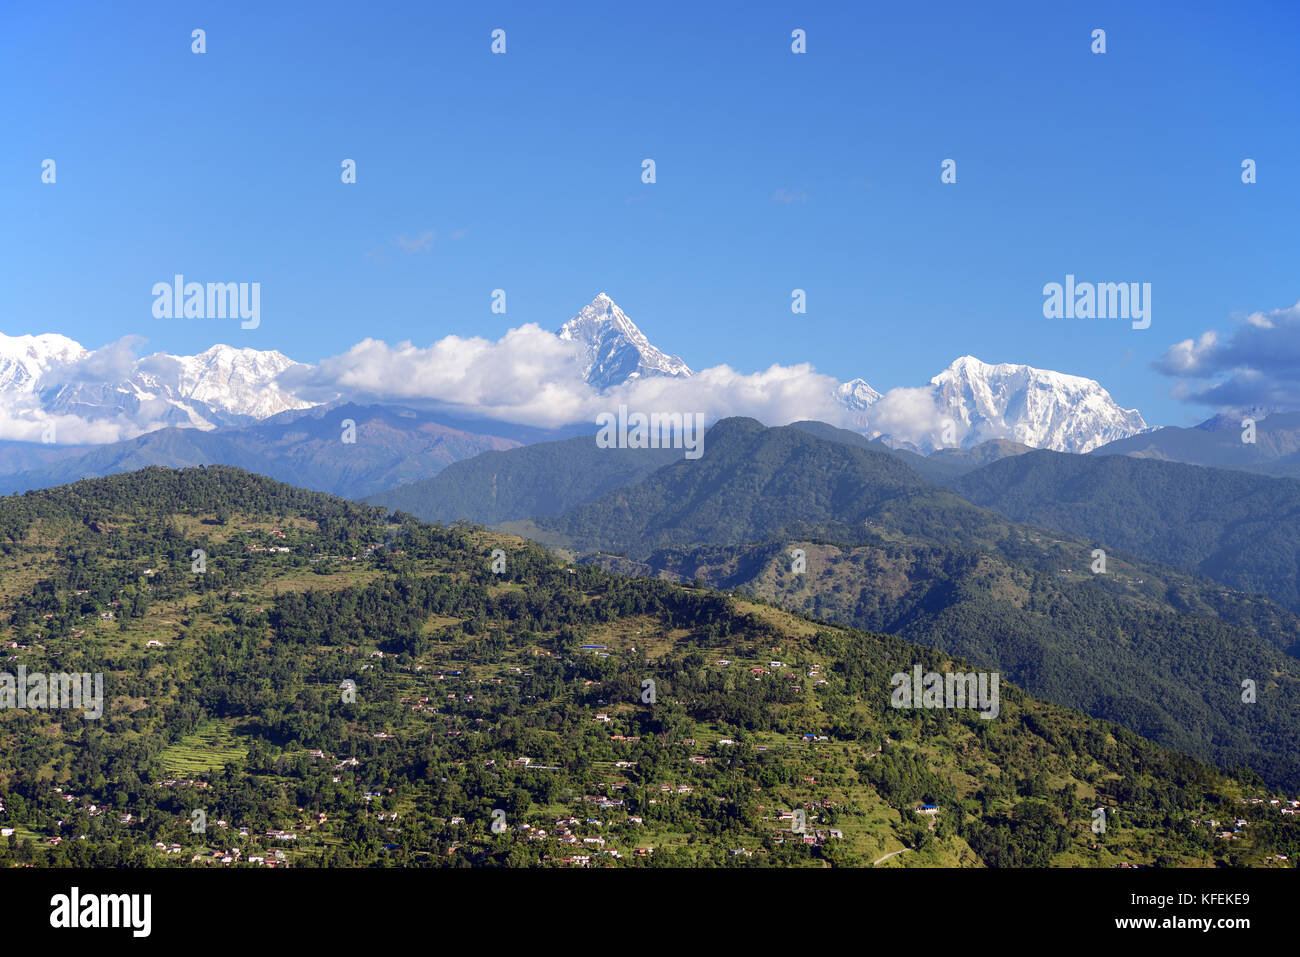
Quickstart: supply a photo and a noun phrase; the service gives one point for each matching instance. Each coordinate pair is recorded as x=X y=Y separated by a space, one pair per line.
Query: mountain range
x=1269 y=445
x=49 y=379
x=53 y=391
x=72 y=413
x=1033 y=407
x=345 y=449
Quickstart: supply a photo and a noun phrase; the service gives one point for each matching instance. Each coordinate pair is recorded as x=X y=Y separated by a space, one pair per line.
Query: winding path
x=888 y=856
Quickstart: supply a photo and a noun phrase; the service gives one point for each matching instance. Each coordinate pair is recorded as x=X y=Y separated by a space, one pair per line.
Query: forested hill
x=159 y=492
x=755 y=483
x=1235 y=527
x=548 y=478
x=1159 y=650
x=336 y=689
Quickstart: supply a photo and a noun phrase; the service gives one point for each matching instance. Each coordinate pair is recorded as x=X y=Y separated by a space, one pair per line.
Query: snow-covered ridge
x=24 y=359
x=108 y=394
x=1035 y=407
x=219 y=386
x=238 y=381
x=976 y=401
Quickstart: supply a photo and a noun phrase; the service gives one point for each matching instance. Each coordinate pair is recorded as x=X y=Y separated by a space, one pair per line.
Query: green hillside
x=1109 y=645
x=1234 y=527
x=1146 y=645
x=475 y=701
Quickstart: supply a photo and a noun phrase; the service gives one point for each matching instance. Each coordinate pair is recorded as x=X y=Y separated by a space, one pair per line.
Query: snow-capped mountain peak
x=114 y=395
x=857 y=395
x=24 y=359
x=972 y=402
x=1035 y=407
x=238 y=381
x=613 y=349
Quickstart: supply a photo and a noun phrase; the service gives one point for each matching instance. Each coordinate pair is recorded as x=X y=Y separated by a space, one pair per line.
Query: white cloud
x=778 y=395
x=911 y=415
x=1189 y=357
x=528 y=376
x=532 y=377
x=110 y=363
x=29 y=423
x=1257 y=365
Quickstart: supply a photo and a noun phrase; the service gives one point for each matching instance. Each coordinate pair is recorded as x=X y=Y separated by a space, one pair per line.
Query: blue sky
x=775 y=171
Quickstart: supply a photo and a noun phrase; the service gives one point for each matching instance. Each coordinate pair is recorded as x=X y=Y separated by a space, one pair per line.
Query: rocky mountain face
x=1034 y=407
x=613 y=349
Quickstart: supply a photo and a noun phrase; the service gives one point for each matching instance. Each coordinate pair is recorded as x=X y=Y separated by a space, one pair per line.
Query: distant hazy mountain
x=393 y=446
x=542 y=479
x=614 y=350
x=33 y=456
x=1222 y=441
x=972 y=458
